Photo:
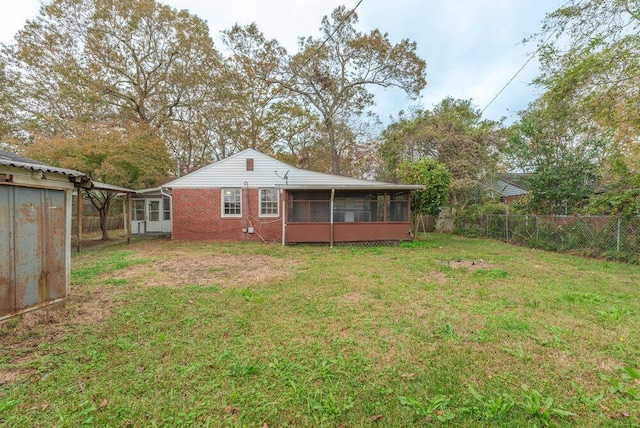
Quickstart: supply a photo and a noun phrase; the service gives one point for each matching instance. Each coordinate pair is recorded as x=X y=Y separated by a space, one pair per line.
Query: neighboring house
x=509 y=186
x=35 y=232
x=251 y=196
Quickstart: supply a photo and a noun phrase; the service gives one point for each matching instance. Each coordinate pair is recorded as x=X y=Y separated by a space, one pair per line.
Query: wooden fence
x=91 y=223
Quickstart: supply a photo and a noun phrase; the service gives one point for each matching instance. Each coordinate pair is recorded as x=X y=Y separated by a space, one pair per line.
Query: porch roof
x=364 y=186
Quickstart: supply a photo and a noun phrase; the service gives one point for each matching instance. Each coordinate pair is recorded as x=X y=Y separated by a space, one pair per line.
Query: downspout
x=168 y=195
x=284 y=223
x=333 y=193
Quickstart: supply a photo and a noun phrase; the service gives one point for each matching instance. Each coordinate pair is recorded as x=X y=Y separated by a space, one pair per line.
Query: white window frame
x=136 y=210
x=223 y=195
x=277 y=201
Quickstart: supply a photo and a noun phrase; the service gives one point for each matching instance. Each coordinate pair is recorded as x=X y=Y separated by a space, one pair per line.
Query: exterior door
x=154 y=215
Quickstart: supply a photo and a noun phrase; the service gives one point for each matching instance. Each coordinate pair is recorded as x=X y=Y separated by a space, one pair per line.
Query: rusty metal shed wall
x=35 y=242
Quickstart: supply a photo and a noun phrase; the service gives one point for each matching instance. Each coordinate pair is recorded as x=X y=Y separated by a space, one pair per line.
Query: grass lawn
x=444 y=331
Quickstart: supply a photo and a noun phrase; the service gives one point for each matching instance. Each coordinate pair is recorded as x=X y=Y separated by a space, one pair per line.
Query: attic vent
x=249 y=164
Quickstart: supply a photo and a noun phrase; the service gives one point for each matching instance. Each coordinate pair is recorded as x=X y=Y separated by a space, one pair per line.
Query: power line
x=519 y=71
x=509 y=82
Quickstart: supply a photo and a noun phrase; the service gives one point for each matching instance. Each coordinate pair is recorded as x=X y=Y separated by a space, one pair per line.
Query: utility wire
x=510 y=80
x=519 y=71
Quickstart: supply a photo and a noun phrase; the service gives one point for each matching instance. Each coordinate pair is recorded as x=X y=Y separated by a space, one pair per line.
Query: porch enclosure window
x=166 y=209
x=348 y=207
x=137 y=213
x=154 y=210
x=268 y=202
x=232 y=202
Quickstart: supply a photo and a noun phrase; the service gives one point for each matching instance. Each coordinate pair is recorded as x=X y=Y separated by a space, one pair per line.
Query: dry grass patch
x=225 y=271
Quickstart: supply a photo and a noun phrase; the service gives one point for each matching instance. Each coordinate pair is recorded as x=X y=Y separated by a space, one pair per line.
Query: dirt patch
x=8 y=376
x=468 y=264
x=222 y=271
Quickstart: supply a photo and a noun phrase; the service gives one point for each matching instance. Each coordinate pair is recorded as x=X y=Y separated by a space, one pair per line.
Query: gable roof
x=270 y=172
x=516 y=179
x=509 y=184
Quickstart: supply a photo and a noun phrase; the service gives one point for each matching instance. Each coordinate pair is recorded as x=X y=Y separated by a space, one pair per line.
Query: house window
x=138 y=210
x=232 y=202
x=269 y=202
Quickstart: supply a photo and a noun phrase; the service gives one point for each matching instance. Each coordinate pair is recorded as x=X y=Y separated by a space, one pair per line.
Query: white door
x=154 y=215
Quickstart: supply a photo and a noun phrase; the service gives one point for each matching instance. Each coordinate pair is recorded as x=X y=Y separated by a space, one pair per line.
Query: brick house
x=252 y=196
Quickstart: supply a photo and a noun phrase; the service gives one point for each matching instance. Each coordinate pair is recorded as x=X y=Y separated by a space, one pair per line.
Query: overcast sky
x=472 y=47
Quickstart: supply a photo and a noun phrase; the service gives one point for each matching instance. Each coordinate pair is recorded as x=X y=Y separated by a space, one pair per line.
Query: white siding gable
x=232 y=172
x=267 y=172
x=507 y=189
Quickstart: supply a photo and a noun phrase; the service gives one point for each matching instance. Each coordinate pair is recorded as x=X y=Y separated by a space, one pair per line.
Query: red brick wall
x=197 y=216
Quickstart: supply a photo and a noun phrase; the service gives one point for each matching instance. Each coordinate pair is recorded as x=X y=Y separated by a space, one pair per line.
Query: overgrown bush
x=468 y=221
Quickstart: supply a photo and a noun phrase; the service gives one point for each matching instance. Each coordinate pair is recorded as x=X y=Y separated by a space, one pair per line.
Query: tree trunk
x=335 y=156
x=103 y=222
x=102 y=205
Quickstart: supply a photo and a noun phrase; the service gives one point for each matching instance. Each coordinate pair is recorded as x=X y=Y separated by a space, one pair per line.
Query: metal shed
x=35 y=232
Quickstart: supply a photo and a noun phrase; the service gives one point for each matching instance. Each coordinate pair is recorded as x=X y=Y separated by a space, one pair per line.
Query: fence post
x=488 y=216
x=618 y=235
x=537 y=229
x=506 y=227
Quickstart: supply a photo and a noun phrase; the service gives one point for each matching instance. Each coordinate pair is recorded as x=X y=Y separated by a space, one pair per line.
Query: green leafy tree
x=133 y=157
x=332 y=75
x=561 y=162
x=590 y=57
x=251 y=71
x=454 y=134
x=620 y=192
x=563 y=187
x=434 y=176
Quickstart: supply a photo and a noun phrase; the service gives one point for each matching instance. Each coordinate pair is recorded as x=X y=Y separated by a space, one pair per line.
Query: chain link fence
x=599 y=236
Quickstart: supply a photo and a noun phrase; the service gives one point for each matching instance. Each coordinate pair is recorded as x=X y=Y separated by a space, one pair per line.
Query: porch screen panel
x=398 y=207
x=309 y=207
x=356 y=207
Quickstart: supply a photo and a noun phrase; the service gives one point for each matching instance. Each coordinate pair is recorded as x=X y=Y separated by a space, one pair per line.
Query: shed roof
x=111 y=188
x=270 y=172
x=17 y=161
